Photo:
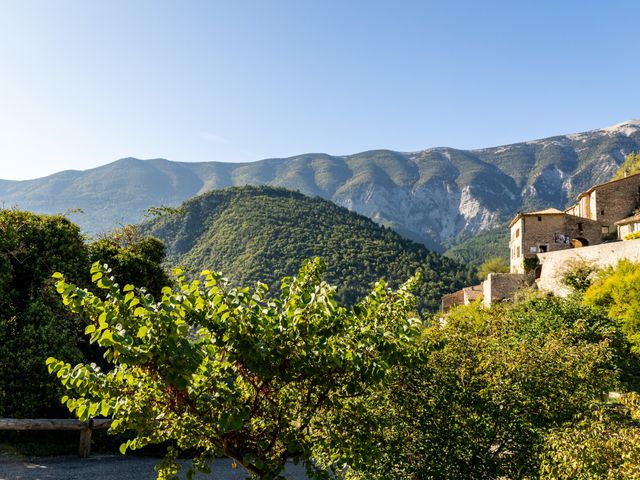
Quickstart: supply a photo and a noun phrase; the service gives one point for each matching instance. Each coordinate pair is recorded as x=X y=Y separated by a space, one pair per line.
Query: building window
x=517 y=233
x=543 y=248
x=533 y=249
x=518 y=251
x=580 y=229
x=601 y=212
x=539 y=218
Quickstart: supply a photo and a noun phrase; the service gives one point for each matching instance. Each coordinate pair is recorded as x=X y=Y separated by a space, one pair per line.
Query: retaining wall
x=555 y=264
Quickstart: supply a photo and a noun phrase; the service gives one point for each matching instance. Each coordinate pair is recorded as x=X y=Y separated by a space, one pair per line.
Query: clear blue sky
x=83 y=83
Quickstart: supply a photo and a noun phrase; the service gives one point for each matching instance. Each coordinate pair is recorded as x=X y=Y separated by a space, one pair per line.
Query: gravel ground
x=111 y=467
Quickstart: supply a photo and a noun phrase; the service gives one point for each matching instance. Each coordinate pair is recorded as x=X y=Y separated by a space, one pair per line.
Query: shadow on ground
x=108 y=467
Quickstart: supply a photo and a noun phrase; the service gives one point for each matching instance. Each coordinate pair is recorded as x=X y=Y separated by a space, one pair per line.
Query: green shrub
x=579 y=274
x=485 y=389
x=33 y=323
x=530 y=263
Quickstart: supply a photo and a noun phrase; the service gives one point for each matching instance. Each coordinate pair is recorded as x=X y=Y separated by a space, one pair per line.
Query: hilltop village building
x=597 y=217
x=541 y=242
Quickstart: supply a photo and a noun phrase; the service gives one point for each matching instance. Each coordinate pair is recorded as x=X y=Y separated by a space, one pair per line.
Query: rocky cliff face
x=437 y=196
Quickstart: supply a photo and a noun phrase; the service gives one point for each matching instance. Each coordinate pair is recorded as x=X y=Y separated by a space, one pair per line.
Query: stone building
x=548 y=231
x=591 y=221
x=628 y=226
x=605 y=212
x=609 y=202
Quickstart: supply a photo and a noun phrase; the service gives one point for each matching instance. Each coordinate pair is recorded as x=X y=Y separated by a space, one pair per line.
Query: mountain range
x=438 y=196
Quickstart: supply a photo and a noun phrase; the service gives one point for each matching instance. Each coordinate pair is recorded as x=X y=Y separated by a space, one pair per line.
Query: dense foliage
x=33 y=323
x=482 y=247
x=489 y=386
x=132 y=257
x=617 y=289
x=261 y=233
x=221 y=370
x=604 y=444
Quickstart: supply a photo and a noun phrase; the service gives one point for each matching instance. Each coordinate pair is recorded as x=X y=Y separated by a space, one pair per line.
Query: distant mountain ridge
x=438 y=196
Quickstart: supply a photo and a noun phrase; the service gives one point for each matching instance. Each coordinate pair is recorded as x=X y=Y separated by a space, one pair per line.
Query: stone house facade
x=628 y=226
x=609 y=202
x=592 y=220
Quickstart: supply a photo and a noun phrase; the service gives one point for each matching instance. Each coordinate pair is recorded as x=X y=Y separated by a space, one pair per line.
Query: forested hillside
x=262 y=233
x=478 y=248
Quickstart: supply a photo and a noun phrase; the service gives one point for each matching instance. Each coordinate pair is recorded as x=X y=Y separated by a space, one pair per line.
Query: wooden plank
x=85 y=443
x=84 y=450
x=50 y=424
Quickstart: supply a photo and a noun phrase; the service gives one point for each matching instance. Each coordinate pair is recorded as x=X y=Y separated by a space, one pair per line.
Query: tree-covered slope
x=264 y=233
x=478 y=248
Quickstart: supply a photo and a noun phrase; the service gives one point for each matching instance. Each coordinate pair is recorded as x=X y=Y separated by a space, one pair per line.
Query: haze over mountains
x=438 y=196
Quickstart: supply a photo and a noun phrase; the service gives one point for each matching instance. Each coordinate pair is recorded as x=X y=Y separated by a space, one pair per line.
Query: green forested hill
x=477 y=249
x=264 y=233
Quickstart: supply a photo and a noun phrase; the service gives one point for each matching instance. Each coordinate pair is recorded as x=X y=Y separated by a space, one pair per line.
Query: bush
x=617 y=289
x=605 y=444
x=579 y=274
x=485 y=389
x=33 y=323
x=226 y=371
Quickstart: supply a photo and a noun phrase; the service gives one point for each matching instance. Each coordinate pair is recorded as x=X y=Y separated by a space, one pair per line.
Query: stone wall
x=555 y=264
x=617 y=200
x=501 y=286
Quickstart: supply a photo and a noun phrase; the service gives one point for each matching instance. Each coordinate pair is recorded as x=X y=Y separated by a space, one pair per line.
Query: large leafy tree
x=221 y=370
x=493 y=265
x=33 y=323
x=134 y=258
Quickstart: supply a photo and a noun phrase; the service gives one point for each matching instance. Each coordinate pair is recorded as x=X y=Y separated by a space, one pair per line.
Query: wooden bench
x=59 y=424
